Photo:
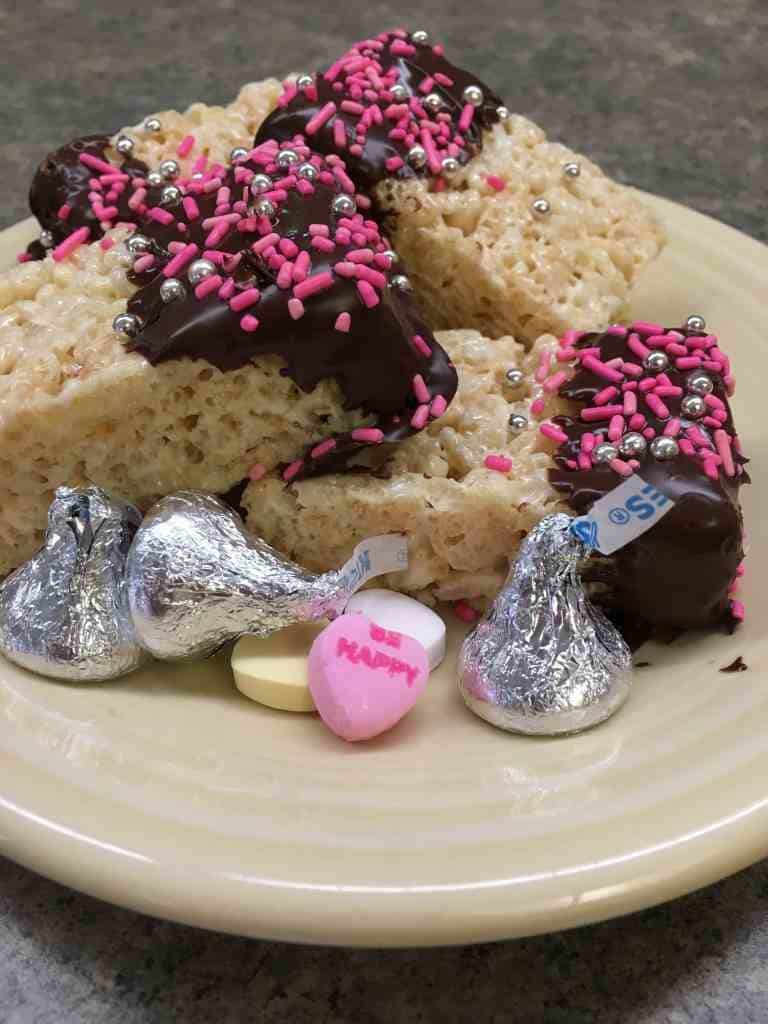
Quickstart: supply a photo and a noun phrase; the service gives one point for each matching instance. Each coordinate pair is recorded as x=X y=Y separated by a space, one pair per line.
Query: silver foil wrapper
x=544 y=661
x=64 y=613
x=197 y=579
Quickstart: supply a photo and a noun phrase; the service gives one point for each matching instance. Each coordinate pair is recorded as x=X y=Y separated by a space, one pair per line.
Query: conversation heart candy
x=364 y=678
x=273 y=670
x=397 y=611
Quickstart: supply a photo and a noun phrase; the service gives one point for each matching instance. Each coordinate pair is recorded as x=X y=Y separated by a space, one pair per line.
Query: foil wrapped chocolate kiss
x=544 y=661
x=196 y=579
x=64 y=613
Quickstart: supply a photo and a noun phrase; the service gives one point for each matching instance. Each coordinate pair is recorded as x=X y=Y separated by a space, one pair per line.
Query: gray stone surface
x=671 y=97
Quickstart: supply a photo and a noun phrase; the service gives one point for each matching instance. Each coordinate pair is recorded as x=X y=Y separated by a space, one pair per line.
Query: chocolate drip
x=62 y=179
x=369 y=167
x=677 y=574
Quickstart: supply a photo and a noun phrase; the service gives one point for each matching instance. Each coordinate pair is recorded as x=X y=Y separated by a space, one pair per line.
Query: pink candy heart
x=364 y=678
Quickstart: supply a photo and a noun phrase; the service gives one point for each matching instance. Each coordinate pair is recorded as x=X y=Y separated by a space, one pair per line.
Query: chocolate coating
x=61 y=178
x=369 y=167
x=677 y=574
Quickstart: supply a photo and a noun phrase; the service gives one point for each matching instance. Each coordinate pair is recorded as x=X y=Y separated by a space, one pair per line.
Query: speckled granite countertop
x=669 y=97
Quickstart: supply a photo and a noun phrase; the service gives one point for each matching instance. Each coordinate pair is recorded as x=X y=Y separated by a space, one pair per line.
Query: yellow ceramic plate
x=170 y=793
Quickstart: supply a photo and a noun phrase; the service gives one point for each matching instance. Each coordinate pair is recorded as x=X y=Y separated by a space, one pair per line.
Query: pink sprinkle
x=106 y=244
x=637 y=422
x=143 y=263
x=244 y=300
x=160 y=215
x=368 y=294
x=672 y=429
x=714 y=402
x=737 y=610
x=465 y=612
x=208 y=285
x=322 y=244
x=630 y=403
x=615 y=428
x=710 y=468
x=602 y=370
x=265 y=243
x=621 y=467
x=584 y=461
x=545 y=365
x=249 y=323
x=74 y=241
x=632 y=370
x=420 y=417
x=421 y=346
x=730 y=384
x=64 y=211
x=496 y=182
x=186 y=145
x=96 y=164
x=554 y=433
x=319 y=229
x=438 y=407
x=670 y=391
x=635 y=345
x=227 y=290
x=723 y=445
x=537 y=407
x=301 y=267
x=285 y=275
x=420 y=389
x=369 y=435
x=343 y=323
x=24 y=257
x=191 y=208
x=443 y=79
x=321 y=117
x=657 y=407
x=565 y=355
x=603 y=397
x=552 y=384
x=588 y=442
x=180 y=260
x=571 y=338
x=645 y=327
x=601 y=412
x=137 y=199
x=313 y=285
x=292 y=470
x=360 y=256
x=688 y=363
x=323 y=448
x=617 y=330
x=648 y=384
x=295 y=308
x=466 y=117
x=499 y=463
x=257 y=471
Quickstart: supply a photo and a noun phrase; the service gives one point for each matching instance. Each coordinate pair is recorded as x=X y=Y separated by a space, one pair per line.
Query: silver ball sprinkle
x=344 y=206
x=433 y=102
x=153 y=124
x=693 y=406
x=514 y=377
x=656 y=362
x=286 y=158
x=264 y=208
x=663 y=448
x=398 y=92
x=420 y=37
x=700 y=383
x=154 y=178
x=632 y=444
x=572 y=169
x=541 y=207
x=417 y=156
x=136 y=244
x=473 y=94
x=308 y=172
x=502 y=113
x=450 y=166
x=124 y=145
x=171 y=195
x=126 y=324
x=401 y=283
x=605 y=453
x=260 y=184
x=305 y=81
x=517 y=421
x=238 y=154
x=199 y=270
x=171 y=290
x=169 y=169
x=46 y=239
x=696 y=323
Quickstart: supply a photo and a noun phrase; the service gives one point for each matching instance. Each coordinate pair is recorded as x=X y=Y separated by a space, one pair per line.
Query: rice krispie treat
x=500 y=229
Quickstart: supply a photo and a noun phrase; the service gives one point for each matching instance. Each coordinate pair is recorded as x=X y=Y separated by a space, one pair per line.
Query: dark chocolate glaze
x=677 y=574
x=369 y=168
x=61 y=178
x=374 y=363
